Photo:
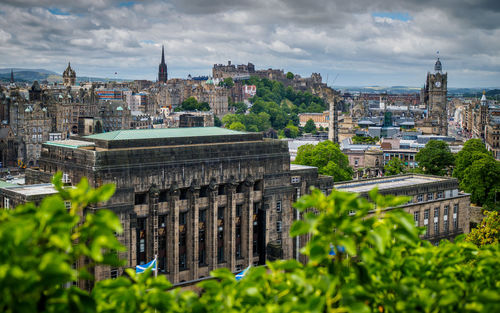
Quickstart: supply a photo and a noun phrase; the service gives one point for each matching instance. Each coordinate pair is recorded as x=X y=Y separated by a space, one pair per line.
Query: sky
x=350 y=43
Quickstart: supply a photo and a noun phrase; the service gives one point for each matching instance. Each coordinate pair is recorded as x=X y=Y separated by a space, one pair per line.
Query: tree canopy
x=191 y=104
x=364 y=139
x=472 y=150
x=327 y=157
x=360 y=259
x=435 y=158
x=488 y=232
x=310 y=127
x=395 y=166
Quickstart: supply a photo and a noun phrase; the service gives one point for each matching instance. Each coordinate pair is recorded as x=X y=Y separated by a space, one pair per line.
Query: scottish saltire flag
x=242 y=274
x=341 y=249
x=141 y=268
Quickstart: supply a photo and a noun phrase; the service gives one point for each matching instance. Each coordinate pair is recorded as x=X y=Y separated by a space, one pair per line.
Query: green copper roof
x=73 y=144
x=131 y=134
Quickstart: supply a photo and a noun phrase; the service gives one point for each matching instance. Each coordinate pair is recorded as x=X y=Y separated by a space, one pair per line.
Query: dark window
x=140 y=198
x=222 y=190
x=220 y=213
x=163 y=196
x=114 y=273
x=220 y=254
x=202 y=216
x=204 y=192
x=182 y=218
x=238 y=210
x=183 y=194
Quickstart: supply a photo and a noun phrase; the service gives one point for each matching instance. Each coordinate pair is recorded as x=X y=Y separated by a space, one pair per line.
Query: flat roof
x=154 y=133
x=33 y=190
x=297 y=167
x=6 y=184
x=387 y=183
x=70 y=143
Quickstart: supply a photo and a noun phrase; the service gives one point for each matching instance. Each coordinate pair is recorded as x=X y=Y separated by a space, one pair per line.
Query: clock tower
x=435 y=99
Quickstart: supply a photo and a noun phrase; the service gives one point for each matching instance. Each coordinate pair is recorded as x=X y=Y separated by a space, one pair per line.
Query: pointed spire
x=162 y=54
x=11 y=76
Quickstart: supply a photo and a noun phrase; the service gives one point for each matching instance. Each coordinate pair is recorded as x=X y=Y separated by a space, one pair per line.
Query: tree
x=364 y=139
x=237 y=126
x=394 y=167
x=228 y=82
x=471 y=152
x=327 y=157
x=482 y=180
x=289 y=75
x=488 y=232
x=435 y=158
x=310 y=126
x=291 y=131
x=217 y=121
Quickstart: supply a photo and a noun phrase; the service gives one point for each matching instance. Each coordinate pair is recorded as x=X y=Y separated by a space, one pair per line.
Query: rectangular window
x=278 y=226
x=416 y=218
x=202 y=216
x=455 y=216
x=182 y=218
x=430 y=196
x=278 y=206
x=295 y=179
x=6 y=203
x=113 y=273
x=436 y=221
x=238 y=210
x=440 y=195
x=420 y=198
x=220 y=213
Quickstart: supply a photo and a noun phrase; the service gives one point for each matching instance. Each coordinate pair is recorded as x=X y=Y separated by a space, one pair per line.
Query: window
x=202 y=216
x=113 y=273
x=295 y=179
x=278 y=206
x=440 y=195
x=426 y=221
x=238 y=210
x=278 y=226
x=455 y=216
x=430 y=196
x=220 y=254
x=182 y=218
x=416 y=218
x=420 y=198
x=6 y=203
x=436 y=221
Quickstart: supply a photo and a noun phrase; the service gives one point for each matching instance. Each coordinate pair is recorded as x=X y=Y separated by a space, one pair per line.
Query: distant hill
x=30 y=75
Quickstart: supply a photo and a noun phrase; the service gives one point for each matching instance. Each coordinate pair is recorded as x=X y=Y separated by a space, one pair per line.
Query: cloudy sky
x=355 y=42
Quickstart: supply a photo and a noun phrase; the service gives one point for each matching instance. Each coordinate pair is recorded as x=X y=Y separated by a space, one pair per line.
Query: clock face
x=438 y=84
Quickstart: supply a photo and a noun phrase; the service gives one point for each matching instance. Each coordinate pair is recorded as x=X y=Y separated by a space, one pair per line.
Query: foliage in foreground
x=383 y=266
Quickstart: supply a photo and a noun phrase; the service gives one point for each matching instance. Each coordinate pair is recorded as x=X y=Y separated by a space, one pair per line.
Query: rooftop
x=4 y=184
x=33 y=190
x=70 y=143
x=155 y=133
x=298 y=167
x=387 y=182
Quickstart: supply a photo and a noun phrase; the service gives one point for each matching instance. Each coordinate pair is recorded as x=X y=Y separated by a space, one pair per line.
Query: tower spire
x=11 y=76
x=162 y=54
x=162 y=69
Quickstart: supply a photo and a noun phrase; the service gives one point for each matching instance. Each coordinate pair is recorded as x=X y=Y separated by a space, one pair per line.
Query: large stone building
x=435 y=202
x=198 y=198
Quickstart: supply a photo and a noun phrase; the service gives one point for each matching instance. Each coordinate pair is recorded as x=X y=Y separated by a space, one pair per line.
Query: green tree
x=394 y=167
x=237 y=126
x=327 y=157
x=472 y=150
x=289 y=75
x=228 y=82
x=435 y=158
x=482 y=180
x=40 y=245
x=310 y=126
x=217 y=121
x=291 y=131
x=364 y=139
x=488 y=232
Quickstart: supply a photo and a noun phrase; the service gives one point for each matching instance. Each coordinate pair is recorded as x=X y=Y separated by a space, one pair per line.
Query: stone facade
x=198 y=202
x=435 y=202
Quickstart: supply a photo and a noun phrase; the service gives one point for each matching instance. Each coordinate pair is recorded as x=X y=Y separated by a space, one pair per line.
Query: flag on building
x=143 y=267
x=242 y=274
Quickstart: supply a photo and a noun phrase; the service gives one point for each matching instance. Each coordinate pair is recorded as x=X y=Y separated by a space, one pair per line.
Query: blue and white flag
x=242 y=274
x=142 y=268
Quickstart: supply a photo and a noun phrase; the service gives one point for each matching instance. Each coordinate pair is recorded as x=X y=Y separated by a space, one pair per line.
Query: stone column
x=192 y=235
x=247 y=222
x=173 y=234
x=229 y=226
x=211 y=229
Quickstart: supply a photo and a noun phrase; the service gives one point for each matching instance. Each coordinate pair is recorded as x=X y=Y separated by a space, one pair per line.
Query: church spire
x=162 y=68
x=11 y=76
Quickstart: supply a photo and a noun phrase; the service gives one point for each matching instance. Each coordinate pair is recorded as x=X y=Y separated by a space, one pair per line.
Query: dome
x=438 y=67
x=119 y=108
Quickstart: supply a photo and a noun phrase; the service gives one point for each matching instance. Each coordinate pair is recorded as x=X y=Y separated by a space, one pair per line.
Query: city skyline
x=358 y=44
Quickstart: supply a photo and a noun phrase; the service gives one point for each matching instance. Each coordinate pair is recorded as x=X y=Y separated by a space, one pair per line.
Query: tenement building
x=435 y=202
x=198 y=198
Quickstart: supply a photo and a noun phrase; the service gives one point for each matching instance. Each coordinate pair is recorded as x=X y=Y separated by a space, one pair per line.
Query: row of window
x=416 y=218
x=430 y=196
